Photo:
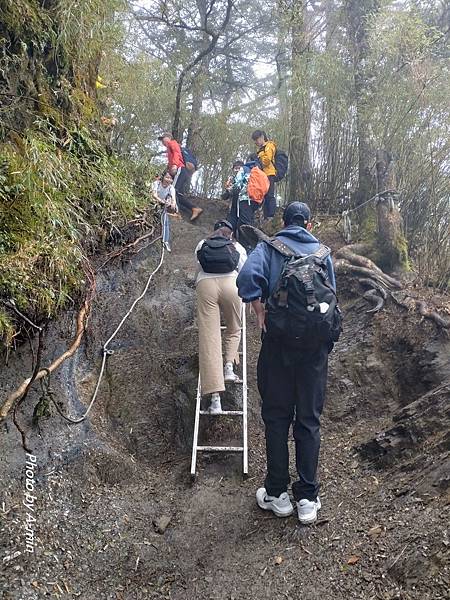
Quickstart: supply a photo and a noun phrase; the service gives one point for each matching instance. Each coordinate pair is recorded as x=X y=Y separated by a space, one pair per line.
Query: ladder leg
x=244 y=394
x=196 y=427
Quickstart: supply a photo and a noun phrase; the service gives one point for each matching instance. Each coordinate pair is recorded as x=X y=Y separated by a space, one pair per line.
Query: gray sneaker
x=307 y=510
x=215 y=408
x=281 y=506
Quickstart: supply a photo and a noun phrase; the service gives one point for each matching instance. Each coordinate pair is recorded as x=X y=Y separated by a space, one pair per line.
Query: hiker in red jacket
x=177 y=168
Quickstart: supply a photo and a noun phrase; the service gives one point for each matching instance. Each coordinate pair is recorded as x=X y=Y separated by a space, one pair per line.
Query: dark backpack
x=218 y=255
x=190 y=160
x=294 y=313
x=281 y=162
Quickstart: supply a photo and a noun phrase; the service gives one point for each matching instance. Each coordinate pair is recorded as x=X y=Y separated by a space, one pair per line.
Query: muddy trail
x=116 y=514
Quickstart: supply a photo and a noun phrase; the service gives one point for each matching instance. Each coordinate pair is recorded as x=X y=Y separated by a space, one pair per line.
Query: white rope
x=106 y=351
x=377 y=195
x=347 y=223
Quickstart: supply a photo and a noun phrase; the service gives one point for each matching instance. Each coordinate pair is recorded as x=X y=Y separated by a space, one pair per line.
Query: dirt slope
x=100 y=487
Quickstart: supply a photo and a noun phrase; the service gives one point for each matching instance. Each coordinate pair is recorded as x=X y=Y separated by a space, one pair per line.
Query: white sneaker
x=281 y=506
x=215 y=408
x=307 y=510
x=229 y=374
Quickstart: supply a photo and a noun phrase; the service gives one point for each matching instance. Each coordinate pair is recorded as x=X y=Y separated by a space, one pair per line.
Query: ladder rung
x=220 y=448
x=224 y=412
x=224 y=327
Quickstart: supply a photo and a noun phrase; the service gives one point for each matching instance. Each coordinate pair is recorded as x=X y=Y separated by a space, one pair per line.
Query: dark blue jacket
x=262 y=269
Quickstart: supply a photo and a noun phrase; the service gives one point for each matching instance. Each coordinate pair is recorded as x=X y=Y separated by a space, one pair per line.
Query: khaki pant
x=216 y=294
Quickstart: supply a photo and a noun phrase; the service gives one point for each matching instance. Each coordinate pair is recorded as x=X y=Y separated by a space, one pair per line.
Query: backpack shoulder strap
x=280 y=246
x=322 y=252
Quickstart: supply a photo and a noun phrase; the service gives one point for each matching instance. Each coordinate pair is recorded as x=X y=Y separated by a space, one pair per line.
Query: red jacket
x=174 y=155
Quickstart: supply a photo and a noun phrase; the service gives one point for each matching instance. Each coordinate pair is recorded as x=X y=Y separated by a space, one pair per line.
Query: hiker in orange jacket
x=265 y=150
x=177 y=168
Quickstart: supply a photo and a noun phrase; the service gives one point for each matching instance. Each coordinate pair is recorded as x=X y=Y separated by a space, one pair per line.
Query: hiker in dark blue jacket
x=291 y=381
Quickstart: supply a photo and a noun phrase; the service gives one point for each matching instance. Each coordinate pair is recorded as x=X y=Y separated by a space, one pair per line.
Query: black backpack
x=281 y=162
x=294 y=311
x=218 y=255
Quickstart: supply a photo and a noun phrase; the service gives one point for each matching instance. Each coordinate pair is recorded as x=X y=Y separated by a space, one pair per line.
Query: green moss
x=368 y=226
x=56 y=194
x=401 y=245
x=61 y=192
x=6 y=328
x=84 y=104
x=24 y=20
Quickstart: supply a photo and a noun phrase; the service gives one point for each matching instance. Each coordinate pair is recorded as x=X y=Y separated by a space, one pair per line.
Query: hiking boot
x=307 y=510
x=196 y=212
x=281 y=506
x=215 y=408
x=228 y=373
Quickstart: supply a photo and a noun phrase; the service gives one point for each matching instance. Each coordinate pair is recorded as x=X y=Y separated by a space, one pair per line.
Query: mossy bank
x=61 y=188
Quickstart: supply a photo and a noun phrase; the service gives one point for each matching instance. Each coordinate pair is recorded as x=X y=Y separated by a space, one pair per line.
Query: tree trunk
x=358 y=15
x=392 y=244
x=300 y=121
x=193 y=140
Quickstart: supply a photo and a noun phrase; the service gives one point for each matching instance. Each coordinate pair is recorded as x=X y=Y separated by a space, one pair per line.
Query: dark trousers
x=180 y=189
x=270 y=203
x=292 y=387
x=242 y=213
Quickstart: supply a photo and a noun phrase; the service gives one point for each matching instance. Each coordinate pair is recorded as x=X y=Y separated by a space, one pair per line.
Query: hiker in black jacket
x=292 y=371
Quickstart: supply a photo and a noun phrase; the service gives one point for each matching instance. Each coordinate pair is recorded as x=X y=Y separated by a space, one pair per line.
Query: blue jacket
x=262 y=269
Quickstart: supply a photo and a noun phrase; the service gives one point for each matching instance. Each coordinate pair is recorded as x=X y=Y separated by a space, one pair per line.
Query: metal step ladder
x=238 y=413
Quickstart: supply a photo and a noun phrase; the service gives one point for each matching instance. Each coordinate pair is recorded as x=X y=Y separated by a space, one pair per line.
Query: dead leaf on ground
x=278 y=560
x=353 y=559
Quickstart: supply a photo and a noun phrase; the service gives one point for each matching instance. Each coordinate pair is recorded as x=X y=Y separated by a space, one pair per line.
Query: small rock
x=278 y=560
x=372 y=362
x=375 y=531
x=161 y=523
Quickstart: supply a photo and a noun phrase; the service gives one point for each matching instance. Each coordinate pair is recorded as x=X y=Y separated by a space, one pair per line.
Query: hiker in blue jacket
x=291 y=381
x=242 y=209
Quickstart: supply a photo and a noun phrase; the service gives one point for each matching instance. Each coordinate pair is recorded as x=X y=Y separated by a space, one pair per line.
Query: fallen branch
x=23 y=388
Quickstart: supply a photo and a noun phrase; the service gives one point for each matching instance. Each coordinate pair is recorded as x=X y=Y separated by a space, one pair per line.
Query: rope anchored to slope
x=106 y=351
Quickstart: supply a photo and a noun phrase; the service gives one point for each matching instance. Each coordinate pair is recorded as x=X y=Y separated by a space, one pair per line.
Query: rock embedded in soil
x=161 y=523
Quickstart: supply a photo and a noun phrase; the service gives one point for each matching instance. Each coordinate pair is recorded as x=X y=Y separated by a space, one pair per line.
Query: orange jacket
x=174 y=154
x=266 y=155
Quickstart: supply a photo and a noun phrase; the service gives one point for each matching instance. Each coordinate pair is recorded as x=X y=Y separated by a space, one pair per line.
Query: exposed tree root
x=352 y=255
x=372 y=296
x=130 y=246
x=373 y=284
x=352 y=262
x=24 y=387
x=343 y=266
x=406 y=301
